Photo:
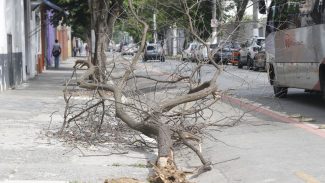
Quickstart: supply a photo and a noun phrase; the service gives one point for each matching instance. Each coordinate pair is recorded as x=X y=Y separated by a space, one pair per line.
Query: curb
x=273 y=114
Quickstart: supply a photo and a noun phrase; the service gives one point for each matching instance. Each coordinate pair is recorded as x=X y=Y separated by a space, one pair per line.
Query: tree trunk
x=104 y=15
x=241 y=7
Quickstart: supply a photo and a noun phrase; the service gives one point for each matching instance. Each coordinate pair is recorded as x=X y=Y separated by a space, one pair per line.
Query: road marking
x=306 y=177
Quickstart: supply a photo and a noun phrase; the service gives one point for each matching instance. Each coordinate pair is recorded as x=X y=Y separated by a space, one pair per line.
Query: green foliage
x=168 y=13
x=78 y=16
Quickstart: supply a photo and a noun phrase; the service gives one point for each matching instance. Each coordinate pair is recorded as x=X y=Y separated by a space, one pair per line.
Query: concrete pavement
x=26 y=153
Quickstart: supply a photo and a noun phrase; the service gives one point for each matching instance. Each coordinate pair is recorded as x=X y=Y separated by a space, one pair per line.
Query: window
x=260 y=42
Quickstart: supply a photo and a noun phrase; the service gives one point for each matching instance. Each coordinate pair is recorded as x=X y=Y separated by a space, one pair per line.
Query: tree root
x=168 y=173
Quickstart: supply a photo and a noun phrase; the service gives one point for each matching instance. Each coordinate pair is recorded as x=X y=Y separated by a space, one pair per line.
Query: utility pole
x=154 y=27
x=43 y=29
x=175 y=37
x=214 y=22
x=255 y=18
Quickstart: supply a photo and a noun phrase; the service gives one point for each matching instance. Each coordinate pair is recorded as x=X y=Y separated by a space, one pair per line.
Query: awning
x=35 y=4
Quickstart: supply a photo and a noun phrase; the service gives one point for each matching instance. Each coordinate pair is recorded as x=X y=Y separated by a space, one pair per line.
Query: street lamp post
x=175 y=40
x=255 y=18
x=214 y=22
x=154 y=27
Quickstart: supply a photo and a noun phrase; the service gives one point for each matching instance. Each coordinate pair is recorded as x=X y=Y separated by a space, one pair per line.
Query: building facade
x=12 y=44
x=26 y=40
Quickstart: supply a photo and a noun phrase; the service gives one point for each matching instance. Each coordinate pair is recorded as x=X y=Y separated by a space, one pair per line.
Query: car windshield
x=193 y=46
x=150 y=48
x=260 y=42
x=213 y=46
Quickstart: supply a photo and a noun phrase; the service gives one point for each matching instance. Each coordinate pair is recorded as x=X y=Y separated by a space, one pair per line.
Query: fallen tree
x=174 y=111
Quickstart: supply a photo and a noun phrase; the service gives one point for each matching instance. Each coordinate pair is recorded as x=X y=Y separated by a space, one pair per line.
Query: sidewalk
x=27 y=154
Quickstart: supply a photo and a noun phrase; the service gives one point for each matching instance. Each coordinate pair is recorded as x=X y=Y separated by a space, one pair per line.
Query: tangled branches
x=128 y=102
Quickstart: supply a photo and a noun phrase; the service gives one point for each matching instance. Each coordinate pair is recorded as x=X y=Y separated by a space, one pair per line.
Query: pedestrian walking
x=56 y=52
x=75 y=51
x=87 y=49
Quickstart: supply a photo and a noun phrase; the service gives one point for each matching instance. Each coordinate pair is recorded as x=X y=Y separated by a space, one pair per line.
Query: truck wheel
x=280 y=92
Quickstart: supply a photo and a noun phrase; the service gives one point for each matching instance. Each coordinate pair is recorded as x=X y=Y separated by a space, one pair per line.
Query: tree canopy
x=168 y=13
x=78 y=16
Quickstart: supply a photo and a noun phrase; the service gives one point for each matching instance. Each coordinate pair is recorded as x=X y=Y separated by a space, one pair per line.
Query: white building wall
x=3 y=30
x=21 y=25
x=34 y=42
x=3 y=44
x=30 y=38
x=12 y=22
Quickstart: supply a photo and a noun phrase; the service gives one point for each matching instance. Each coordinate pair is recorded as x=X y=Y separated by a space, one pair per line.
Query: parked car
x=228 y=52
x=201 y=53
x=235 y=53
x=154 y=51
x=249 y=50
x=189 y=53
x=259 y=61
x=129 y=49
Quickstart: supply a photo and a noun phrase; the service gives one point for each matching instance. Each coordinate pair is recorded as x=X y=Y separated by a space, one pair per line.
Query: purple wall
x=49 y=39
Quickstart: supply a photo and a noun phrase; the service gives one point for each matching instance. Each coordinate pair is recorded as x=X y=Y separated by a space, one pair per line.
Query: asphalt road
x=254 y=86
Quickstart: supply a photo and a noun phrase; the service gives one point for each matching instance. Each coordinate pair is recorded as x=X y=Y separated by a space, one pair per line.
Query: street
x=255 y=87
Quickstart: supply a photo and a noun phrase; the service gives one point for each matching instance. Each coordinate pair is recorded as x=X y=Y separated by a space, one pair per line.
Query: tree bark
x=241 y=7
x=105 y=13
